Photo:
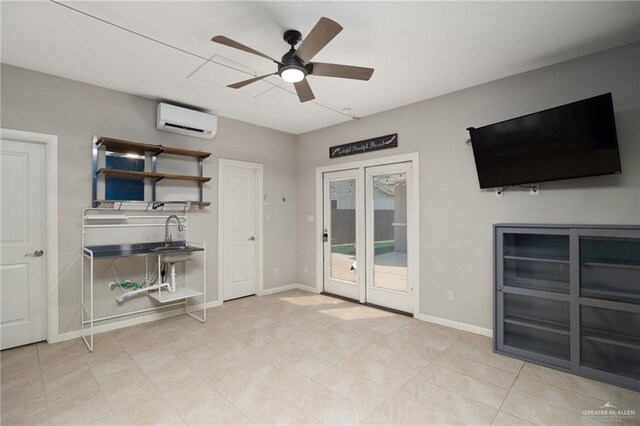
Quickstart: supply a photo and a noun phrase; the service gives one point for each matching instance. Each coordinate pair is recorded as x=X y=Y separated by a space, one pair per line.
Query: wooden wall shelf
x=122 y=146
x=125 y=147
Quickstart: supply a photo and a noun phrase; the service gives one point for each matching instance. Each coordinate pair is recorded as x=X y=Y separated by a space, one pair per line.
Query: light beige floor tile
x=375 y=371
x=77 y=407
x=205 y=362
x=102 y=365
x=282 y=379
x=18 y=358
x=291 y=358
x=32 y=413
x=73 y=376
x=132 y=336
x=169 y=373
x=123 y=388
x=241 y=420
x=230 y=348
x=147 y=352
x=277 y=410
x=570 y=382
x=159 y=327
x=328 y=406
x=401 y=361
x=19 y=375
x=555 y=396
x=103 y=344
x=405 y=346
x=630 y=400
x=200 y=404
x=435 y=338
x=504 y=419
x=24 y=404
x=343 y=340
x=176 y=341
x=482 y=352
x=57 y=353
x=106 y=420
x=473 y=388
x=539 y=412
x=147 y=411
x=477 y=370
x=463 y=408
x=365 y=393
x=242 y=390
x=319 y=345
x=296 y=359
x=402 y=411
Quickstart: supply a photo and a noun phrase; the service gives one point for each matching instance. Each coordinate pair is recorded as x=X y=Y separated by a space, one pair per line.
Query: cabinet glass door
x=536 y=262
x=610 y=268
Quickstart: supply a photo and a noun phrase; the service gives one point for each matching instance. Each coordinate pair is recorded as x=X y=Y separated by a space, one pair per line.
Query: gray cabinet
x=568 y=297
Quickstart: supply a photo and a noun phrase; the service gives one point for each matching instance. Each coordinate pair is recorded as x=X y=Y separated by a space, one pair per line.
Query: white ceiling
x=418 y=49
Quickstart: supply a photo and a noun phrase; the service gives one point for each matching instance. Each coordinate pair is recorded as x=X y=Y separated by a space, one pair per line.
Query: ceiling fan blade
x=304 y=91
x=341 y=71
x=324 y=31
x=243 y=83
x=232 y=43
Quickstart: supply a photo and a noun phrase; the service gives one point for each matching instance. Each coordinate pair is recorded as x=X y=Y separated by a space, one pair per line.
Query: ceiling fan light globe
x=292 y=75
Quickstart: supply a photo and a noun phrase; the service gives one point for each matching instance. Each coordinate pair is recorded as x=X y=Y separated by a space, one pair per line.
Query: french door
x=388 y=220
x=367 y=234
x=342 y=233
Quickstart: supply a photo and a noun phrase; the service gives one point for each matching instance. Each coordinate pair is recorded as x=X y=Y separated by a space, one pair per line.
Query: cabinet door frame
x=499 y=290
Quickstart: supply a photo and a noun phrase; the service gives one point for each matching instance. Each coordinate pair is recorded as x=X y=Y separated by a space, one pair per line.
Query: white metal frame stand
x=119 y=215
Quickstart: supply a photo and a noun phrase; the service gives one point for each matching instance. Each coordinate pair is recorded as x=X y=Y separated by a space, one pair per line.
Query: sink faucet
x=167 y=235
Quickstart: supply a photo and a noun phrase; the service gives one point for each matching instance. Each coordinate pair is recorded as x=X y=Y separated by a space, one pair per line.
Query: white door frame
x=259 y=169
x=51 y=206
x=359 y=229
x=414 y=254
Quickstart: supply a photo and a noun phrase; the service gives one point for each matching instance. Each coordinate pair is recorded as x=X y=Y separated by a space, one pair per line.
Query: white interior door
x=342 y=232
x=239 y=226
x=389 y=236
x=22 y=240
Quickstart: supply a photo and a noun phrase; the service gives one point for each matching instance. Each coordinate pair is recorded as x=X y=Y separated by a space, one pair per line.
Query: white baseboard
x=153 y=316
x=455 y=324
x=288 y=287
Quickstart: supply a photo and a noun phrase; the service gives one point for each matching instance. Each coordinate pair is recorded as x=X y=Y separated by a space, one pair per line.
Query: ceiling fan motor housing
x=290 y=61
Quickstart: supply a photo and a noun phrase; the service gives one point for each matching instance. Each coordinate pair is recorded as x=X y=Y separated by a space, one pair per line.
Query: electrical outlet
x=449 y=296
x=306 y=269
x=276 y=270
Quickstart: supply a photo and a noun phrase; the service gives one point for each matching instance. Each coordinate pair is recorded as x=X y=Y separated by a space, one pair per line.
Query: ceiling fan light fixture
x=292 y=75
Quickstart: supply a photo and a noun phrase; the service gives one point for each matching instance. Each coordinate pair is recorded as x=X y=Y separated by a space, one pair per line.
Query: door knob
x=36 y=253
x=252 y=238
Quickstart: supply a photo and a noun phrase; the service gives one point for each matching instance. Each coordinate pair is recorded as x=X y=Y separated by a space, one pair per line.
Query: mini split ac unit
x=186 y=121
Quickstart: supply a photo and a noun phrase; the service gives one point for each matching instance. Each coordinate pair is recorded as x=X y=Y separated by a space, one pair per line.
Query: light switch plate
x=311 y=218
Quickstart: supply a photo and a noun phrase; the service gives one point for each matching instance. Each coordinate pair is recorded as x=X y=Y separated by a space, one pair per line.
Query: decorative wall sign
x=367 y=145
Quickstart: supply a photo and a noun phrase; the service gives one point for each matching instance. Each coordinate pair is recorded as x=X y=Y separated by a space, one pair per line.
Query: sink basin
x=170 y=248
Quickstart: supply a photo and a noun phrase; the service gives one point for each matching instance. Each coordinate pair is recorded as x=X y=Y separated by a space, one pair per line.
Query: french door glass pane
x=390 y=231
x=343 y=229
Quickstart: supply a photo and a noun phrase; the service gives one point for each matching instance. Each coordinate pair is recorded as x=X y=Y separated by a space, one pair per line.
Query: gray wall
x=74 y=111
x=455 y=215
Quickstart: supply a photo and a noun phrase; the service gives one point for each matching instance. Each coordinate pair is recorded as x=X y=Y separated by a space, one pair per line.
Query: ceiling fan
x=295 y=65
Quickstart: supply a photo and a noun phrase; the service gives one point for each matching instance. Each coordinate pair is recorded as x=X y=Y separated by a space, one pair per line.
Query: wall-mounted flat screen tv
x=570 y=141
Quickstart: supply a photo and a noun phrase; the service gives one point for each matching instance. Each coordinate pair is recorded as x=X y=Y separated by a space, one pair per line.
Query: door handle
x=36 y=253
x=252 y=238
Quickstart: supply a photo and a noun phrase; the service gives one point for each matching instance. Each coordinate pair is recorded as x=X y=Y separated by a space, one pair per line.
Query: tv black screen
x=570 y=141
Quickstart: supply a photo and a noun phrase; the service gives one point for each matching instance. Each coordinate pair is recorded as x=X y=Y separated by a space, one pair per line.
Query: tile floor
x=292 y=358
